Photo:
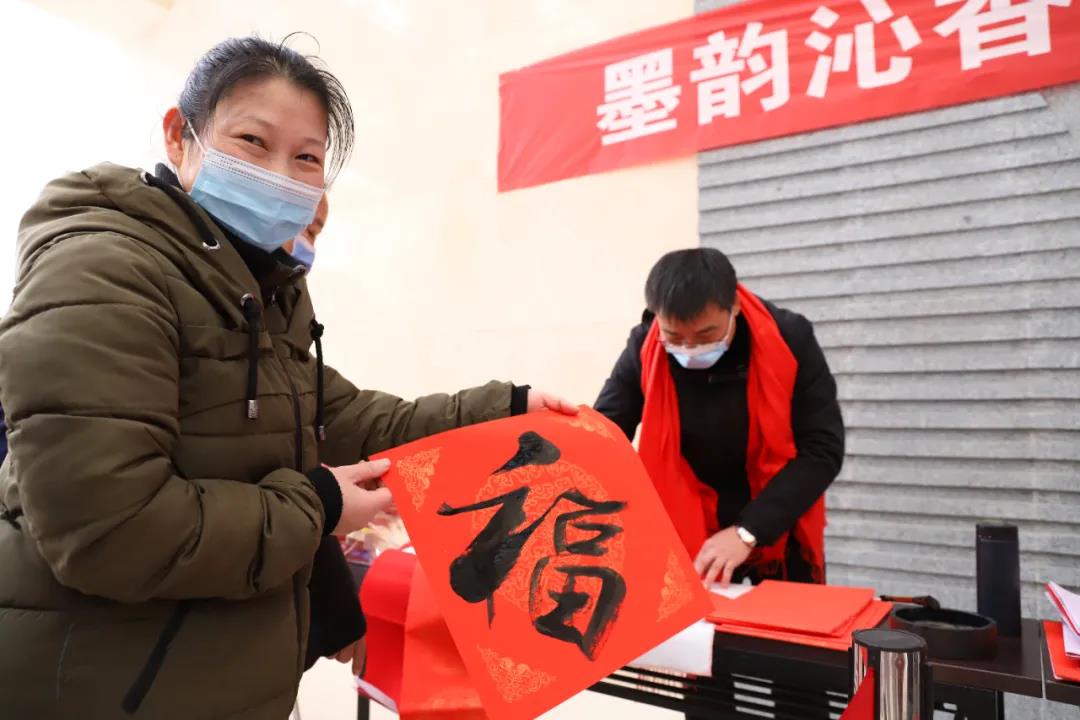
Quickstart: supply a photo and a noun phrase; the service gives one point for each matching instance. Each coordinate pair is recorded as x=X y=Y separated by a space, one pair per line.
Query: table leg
x=780 y=701
x=994 y=707
x=972 y=704
x=812 y=709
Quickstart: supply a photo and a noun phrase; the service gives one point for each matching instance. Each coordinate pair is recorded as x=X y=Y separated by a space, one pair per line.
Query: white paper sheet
x=688 y=652
x=376 y=694
x=732 y=592
x=1067 y=603
x=1072 y=641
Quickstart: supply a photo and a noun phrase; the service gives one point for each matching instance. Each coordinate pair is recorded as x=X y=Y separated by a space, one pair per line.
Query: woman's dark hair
x=238 y=60
x=684 y=282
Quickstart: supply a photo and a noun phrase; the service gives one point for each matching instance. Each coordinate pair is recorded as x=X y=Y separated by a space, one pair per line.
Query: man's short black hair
x=684 y=282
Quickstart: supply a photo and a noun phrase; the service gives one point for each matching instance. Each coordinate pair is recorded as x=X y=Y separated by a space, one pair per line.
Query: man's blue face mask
x=701 y=357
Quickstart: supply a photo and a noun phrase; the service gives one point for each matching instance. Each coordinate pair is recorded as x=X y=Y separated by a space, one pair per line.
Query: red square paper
x=548 y=550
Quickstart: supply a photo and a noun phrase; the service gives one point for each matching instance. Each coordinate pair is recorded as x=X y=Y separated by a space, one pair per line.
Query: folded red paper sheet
x=548 y=551
x=1065 y=668
x=861 y=706
x=795 y=607
x=412 y=658
x=385 y=599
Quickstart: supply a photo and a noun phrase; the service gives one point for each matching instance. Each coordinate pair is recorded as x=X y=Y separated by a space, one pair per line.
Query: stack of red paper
x=1064 y=666
x=823 y=616
x=1063 y=638
x=1068 y=605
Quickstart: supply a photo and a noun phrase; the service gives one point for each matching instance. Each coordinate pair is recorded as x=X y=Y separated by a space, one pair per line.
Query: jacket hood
x=109 y=198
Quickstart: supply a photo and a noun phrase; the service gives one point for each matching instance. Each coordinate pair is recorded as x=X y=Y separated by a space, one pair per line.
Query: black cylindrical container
x=997 y=573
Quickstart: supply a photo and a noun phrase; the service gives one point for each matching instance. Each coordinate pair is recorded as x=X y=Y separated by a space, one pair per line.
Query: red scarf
x=770 y=384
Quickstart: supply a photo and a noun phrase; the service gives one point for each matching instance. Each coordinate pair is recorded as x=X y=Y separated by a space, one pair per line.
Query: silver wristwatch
x=746 y=536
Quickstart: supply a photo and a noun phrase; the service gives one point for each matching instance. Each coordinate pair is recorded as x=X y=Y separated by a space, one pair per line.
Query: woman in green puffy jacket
x=178 y=453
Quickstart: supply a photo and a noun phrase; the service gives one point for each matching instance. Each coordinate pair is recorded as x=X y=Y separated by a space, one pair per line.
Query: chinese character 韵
x=723 y=60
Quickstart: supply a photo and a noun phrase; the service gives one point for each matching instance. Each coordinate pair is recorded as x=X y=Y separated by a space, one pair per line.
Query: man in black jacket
x=699 y=310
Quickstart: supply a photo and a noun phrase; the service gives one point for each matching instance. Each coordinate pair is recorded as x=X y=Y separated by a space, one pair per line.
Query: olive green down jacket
x=143 y=511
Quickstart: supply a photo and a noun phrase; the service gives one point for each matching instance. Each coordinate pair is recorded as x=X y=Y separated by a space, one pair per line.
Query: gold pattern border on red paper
x=513 y=679
x=588 y=423
x=676 y=592
x=416 y=471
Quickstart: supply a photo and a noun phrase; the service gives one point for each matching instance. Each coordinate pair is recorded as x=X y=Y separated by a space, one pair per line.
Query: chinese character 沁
x=861 y=43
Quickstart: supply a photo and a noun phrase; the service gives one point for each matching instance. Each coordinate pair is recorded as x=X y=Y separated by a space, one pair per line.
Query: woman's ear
x=173 y=127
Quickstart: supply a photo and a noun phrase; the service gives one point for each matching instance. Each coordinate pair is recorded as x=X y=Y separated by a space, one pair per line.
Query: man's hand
x=720 y=556
x=355 y=654
x=546 y=401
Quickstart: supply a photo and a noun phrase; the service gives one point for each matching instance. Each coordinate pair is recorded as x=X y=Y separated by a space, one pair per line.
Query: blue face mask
x=303 y=251
x=700 y=357
x=261 y=207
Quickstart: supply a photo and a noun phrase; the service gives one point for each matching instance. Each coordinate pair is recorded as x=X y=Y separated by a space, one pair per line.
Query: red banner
x=766 y=68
